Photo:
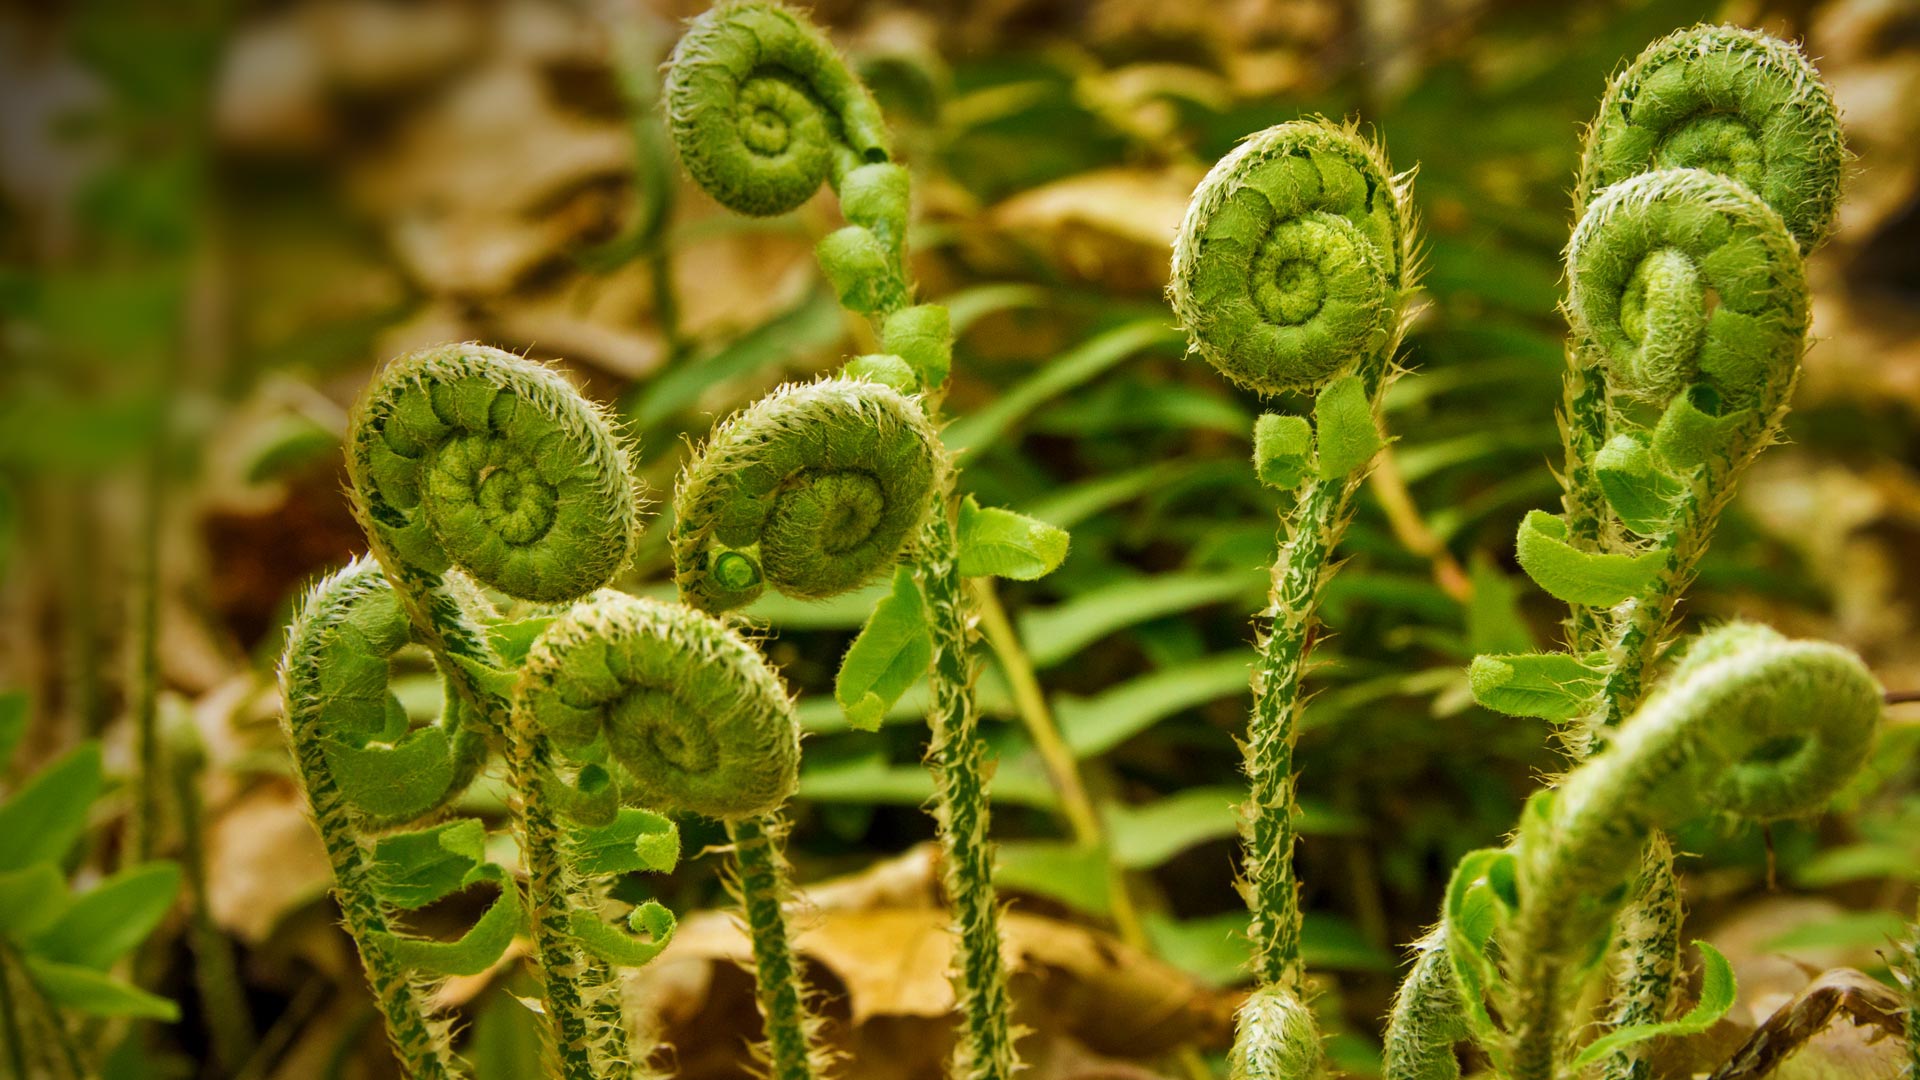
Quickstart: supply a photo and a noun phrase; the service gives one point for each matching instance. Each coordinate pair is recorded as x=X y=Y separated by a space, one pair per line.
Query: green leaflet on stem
x=1748 y=724
x=1290 y=272
x=814 y=490
x=334 y=678
x=467 y=457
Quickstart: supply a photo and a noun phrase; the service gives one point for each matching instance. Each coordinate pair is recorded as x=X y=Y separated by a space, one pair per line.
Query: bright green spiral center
x=1287 y=268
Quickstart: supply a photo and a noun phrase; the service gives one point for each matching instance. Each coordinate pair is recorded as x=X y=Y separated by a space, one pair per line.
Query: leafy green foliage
x=1580 y=577
x=889 y=655
x=1001 y=543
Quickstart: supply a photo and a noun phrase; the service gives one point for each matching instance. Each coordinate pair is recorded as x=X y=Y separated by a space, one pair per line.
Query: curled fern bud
x=1749 y=724
x=814 y=490
x=1289 y=266
x=1682 y=277
x=694 y=713
x=763 y=111
x=1730 y=101
x=1275 y=1038
x=466 y=456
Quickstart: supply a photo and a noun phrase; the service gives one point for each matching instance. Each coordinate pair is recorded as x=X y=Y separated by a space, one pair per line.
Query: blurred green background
x=216 y=218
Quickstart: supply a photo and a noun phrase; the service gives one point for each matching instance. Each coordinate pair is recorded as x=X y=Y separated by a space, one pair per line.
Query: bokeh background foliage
x=218 y=218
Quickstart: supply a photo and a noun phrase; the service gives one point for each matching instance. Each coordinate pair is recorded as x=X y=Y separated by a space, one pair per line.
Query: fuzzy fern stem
x=341 y=617
x=762 y=882
x=1290 y=273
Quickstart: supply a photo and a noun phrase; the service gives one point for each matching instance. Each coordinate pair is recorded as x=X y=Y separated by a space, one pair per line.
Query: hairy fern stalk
x=1291 y=273
x=763 y=113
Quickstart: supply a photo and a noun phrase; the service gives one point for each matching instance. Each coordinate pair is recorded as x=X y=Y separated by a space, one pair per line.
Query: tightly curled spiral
x=692 y=712
x=1749 y=724
x=1730 y=101
x=1681 y=276
x=1289 y=266
x=467 y=456
x=813 y=490
x=763 y=111
x=1275 y=1038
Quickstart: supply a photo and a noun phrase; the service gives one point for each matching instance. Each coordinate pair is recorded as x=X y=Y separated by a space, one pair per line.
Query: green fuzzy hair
x=814 y=490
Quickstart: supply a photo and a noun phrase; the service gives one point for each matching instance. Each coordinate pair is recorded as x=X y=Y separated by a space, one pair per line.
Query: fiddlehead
x=1692 y=291
x=1717 y=98
x=334 y=679
x=813 y=490
x=1427 y=1020
x=1730 y=101
x=465 y=457
x=1289 y=273
x=1289 y=266
x=763 y=111
x=696 y=721
x=1749 y=724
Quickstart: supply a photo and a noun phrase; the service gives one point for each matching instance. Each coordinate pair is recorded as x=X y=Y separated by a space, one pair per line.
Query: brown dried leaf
x=1799 y=1030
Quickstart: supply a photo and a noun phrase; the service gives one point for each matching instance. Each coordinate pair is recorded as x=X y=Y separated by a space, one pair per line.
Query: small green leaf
x=591 y=800
x=413 y=869
x=885 y=369
x=477 y=949
x=637 y=840
x=498 y=682
x=396 y=783
x=621 y=949
x=44 y=818
x=1282 y=450
x=88 y=991
x=1347 y=434
x=1692 y=431
x=31 y=899
x=1717 y=991
x=1551 y=686
x=891 y=653
x=108 y=921
x=1004 y=544
x=922 y=336
x=1634 y=483
x=1473 y=912
x=1581 y=577
x=512 y=640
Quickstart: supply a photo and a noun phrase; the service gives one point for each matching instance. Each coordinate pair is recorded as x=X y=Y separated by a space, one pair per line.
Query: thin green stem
x=763 y=887
x=216 y=976
x=985 y=1045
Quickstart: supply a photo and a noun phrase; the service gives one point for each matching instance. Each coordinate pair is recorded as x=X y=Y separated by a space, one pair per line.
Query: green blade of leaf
x=890 y=654
x=1634 y=484
x=1717 y=991
x=1282 y=450
x=474 y=951
x=44 y=818
x=88 y=991
x=108 y=921
x=636 y=841
x=1581 y=577
x=1000 y=543
x=31 y=899
x=1550 y=686
x=623 y=949
x=414 y=869
x=1347 y=435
